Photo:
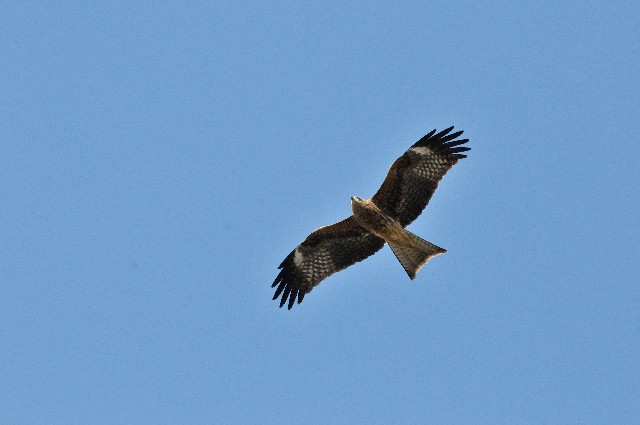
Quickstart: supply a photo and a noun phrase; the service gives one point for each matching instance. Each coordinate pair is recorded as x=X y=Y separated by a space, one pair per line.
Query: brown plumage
x=405 y=192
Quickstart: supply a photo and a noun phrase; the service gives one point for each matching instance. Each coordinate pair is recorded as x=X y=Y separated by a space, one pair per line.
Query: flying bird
x=405 y=192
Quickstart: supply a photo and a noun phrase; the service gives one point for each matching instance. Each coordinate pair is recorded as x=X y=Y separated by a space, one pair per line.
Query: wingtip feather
x=285 y=295
x=443 y=132
x=451 y=136
x=455 y=143
x=292 y=298
x=443 y=139
x=279 y=290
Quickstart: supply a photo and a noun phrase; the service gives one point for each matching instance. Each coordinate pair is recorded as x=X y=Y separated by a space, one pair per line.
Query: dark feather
x=324 y=252
x=414 y=177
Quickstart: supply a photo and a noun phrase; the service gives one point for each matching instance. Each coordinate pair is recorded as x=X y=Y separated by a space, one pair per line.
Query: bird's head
x=357 y=201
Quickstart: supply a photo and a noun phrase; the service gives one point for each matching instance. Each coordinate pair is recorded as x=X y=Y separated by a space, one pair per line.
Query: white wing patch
x=421 y=150
x=298 y=259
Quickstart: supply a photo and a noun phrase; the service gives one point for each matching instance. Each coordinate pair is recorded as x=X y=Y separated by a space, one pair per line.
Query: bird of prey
x=405 y=192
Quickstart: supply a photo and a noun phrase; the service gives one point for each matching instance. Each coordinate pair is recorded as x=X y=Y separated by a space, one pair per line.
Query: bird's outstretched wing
x=327 y=250
x=414 y=176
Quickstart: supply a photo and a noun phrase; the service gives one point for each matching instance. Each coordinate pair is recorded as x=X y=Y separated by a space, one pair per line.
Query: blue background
x=159 y=160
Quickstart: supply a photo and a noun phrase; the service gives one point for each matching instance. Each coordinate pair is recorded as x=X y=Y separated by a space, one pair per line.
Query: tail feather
x=416 y=254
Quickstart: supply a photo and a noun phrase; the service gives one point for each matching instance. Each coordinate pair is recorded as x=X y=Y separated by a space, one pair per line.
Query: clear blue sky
x=159 y=160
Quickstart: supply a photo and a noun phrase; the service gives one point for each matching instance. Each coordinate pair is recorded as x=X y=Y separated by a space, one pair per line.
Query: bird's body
x=405 y=192
x=412 y=251
x=370 y=217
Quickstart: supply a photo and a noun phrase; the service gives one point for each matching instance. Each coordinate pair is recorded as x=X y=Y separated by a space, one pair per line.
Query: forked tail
x=415 y=254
